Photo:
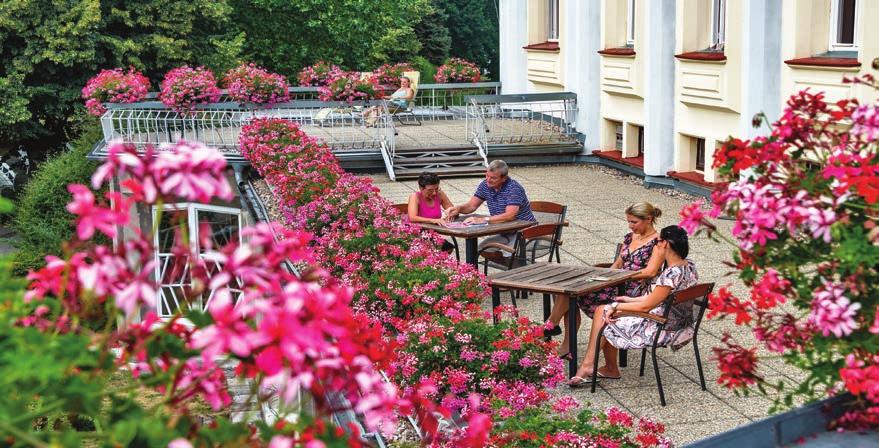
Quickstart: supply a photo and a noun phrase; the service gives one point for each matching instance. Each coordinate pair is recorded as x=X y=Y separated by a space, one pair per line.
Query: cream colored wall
x=708 y=94
x=622 y=77
x=805 y=33
x=544 y=68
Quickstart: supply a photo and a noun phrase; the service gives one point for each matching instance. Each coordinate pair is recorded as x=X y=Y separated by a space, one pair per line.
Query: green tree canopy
x=473 y=27
x=50 y=49
x=286 y=35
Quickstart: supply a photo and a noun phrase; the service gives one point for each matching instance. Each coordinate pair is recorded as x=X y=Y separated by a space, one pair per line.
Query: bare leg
x=586 y=367
x=611 y=359
x=560 y=306
x=565 y=303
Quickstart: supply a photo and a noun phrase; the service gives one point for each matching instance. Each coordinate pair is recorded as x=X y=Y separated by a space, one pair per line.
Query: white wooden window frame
x=192 y=210
x=630 y=23
x=552 y=20
x=835 y=45
x=718 y=25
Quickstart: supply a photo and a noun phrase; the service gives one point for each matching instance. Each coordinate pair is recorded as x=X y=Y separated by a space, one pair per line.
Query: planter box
x=801 y=427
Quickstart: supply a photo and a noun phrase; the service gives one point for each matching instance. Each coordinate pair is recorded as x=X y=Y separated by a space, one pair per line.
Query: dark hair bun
x=677 y=239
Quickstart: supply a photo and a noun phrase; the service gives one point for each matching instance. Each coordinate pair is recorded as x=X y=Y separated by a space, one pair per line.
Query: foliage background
x=50 y=48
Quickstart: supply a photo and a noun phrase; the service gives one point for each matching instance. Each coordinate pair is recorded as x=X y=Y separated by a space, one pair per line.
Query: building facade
x=662 y=83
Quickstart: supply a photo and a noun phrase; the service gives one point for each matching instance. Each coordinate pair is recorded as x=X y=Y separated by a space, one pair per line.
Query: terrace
x=453 y=128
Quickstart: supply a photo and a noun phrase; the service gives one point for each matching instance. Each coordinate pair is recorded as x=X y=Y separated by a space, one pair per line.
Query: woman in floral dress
x=636 y=254
x=632 y=332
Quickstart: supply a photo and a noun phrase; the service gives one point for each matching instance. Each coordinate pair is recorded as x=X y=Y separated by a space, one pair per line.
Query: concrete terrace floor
x=596 y=202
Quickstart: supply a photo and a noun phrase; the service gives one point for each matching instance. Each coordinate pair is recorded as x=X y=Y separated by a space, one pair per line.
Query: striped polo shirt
x=511 y=193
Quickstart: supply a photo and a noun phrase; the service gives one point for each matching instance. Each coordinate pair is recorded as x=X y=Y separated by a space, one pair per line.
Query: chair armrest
x=500 y=246
x=653 y=317
x=602 y=265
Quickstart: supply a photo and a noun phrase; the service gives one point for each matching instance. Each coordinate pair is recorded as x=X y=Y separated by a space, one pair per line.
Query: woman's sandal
x=577 y=382
x=567 y=356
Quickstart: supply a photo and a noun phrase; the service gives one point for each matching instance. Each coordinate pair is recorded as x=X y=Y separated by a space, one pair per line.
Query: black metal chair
x=697 y=296
x=548 y=213
x=404 y=210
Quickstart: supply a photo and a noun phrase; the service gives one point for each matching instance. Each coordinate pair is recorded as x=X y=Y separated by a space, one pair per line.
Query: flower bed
x=114 y=86
x=457 y=70
x=805 y=202
x=388 y=75
x=250 y=84
x=349 y=87
x=185 y=87
x=317 y=75
x=427 y=303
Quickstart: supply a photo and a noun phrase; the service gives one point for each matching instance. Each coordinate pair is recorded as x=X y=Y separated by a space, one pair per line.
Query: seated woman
x=397 y=101
x=427 y=204
x=637 y=254
x=631 y=332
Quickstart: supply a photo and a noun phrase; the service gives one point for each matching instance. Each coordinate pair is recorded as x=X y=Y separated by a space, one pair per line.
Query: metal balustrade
x=530 y=119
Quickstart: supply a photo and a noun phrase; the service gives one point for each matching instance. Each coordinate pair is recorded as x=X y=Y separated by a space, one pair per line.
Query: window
x=619 y=137
x=172 y=270
x=552 y=25
x=843 y=22
x=640 y=140
x=630 y=24
x=718 y=25
x=700 y=154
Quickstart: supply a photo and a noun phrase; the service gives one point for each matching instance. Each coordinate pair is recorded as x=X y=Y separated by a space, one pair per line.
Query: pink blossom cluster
x=249 y=83
x=348 y=86
x=114 y=86
x=317 y=75
x=185 y=87
x=388 y=75
x=804 y=199
x=457 y=70
x=285 y=333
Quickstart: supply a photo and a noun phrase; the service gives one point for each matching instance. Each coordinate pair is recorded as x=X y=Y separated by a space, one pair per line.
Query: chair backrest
x=548 y=207
x=402 y=208
x=615 y=256
x=414 y=78
x=697 y=294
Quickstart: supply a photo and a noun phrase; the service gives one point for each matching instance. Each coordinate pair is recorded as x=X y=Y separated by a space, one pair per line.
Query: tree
x=286 y=35
x=49 y=50
x=473 y=26
x=432 y=32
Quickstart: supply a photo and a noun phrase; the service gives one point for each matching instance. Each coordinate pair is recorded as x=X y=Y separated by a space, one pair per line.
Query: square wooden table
x=567 y=281
x=471 y=234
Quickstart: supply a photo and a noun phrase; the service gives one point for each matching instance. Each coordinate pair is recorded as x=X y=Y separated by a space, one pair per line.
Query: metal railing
x=338 y=124
x=529 y=119
x=388 y=144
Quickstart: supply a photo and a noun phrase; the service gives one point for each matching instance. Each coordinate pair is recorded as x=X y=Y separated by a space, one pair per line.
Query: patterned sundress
x=633 y=260
x=636 y=332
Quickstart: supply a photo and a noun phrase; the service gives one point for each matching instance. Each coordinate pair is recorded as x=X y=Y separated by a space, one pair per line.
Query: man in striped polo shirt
x=505 y=198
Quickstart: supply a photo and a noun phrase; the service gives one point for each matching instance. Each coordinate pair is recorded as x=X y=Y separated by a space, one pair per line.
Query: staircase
x=458 y=161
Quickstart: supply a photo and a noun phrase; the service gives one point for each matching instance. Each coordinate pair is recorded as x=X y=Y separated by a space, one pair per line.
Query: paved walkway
x=596 y=202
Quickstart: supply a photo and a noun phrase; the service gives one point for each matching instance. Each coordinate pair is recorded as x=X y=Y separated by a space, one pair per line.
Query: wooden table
x=472 y=233
x=567 y=281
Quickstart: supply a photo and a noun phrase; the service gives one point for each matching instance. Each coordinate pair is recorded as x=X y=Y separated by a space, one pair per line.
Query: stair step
x=452 y=150
x=437 y=160
x=455 y=171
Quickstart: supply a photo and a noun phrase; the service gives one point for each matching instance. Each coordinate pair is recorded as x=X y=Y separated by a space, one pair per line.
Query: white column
x=659 y=87
x=579 y=46
x=761 y=70
x=513 y=25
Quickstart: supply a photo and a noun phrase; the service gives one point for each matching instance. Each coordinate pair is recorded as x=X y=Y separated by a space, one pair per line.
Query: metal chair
x=404 y=210
x=493 y=254
x=549 y=213
x=696 y=296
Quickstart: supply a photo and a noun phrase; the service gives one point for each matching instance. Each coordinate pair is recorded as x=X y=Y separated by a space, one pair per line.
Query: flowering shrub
x=347 y=86
x=185 y=87
x=457 y=70
x=248 y=83
x=471 y=354
x=114 y=86
x=804 y=199
x=317 y=75
x=284 y=333
x=388 y=75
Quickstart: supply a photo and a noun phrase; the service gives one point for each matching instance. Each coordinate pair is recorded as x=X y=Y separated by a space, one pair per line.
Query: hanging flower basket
x=185 y=87
x=251 y=84
x=114 y=86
